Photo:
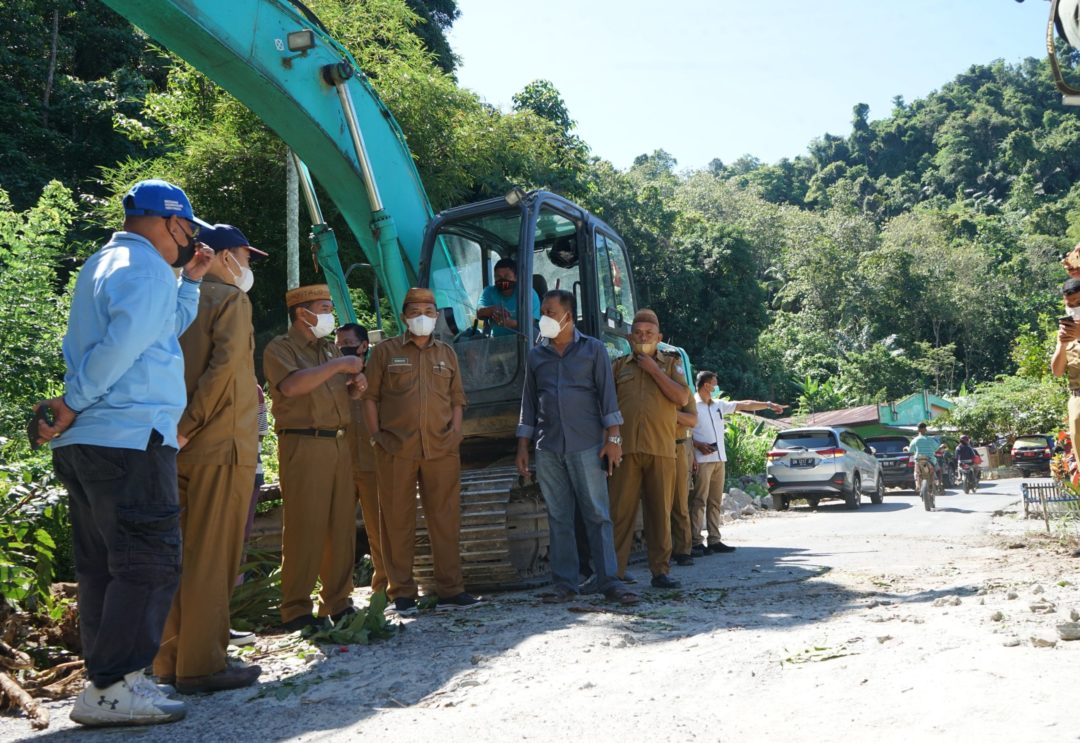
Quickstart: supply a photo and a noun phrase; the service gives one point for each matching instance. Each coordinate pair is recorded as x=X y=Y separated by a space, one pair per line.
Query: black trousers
x=125 y=516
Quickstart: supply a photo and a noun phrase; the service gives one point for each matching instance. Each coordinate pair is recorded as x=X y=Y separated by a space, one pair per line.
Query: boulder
x=736 y=500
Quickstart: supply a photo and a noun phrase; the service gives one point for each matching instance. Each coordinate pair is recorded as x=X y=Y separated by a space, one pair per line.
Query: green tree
x=32 y=245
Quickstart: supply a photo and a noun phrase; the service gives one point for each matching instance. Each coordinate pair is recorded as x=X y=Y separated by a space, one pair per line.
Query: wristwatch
x=617 y=440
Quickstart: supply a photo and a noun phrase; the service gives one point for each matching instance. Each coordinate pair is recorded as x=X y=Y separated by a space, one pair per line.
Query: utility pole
x=292 y=223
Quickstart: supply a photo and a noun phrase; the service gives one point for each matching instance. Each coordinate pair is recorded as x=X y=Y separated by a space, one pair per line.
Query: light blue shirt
x=125 y=369
x=923 y=446
x=492 y=297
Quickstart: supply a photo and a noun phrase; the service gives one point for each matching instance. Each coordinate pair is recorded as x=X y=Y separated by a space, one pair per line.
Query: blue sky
x=724 y=78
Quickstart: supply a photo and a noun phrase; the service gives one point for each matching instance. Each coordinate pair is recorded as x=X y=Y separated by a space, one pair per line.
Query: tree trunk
x=52 y=67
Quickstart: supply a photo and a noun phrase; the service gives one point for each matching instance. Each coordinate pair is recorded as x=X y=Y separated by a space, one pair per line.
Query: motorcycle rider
x=965 y=452
x=923 y=448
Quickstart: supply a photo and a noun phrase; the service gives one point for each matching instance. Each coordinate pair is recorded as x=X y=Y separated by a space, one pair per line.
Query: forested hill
x=918 y=249
x=914 y=250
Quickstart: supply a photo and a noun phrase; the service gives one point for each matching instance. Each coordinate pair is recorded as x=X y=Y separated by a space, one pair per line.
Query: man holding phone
x=709 y=462
x=1066 y=358
x=570 y=410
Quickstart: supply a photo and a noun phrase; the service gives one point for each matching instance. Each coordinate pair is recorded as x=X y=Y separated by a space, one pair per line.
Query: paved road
x=867 y=538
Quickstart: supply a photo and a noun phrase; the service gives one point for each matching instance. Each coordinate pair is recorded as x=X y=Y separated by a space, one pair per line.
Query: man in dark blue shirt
x=570 y=409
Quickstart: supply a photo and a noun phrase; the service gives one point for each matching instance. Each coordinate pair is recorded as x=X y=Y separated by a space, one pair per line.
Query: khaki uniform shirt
x=689 y=407
x=1072 y=364
x=360 y=440
x=416 y=390
x=327 y=407
x=650 y=423
x=221 y=420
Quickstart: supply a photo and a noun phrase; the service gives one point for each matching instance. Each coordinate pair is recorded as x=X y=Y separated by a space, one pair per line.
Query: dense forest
x=917 y=250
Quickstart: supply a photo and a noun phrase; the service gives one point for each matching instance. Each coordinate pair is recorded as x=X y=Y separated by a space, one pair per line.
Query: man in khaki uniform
x=352 y=340
x=219 y=439
x=414 y=407
x=651 y=388
x=1066 y=358
x=681 y=542
x=310 y=386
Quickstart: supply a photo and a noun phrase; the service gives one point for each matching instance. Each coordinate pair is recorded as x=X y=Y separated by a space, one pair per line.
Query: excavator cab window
x=462 y=271
x=617 y=305
x=557 y=257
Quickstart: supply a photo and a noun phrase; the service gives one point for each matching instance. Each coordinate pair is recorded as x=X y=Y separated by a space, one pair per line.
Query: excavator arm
x=278 y=60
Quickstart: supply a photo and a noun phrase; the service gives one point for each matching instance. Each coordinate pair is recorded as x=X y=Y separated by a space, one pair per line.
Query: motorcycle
x=946 y=468
x=929 y=483
x=969 y=475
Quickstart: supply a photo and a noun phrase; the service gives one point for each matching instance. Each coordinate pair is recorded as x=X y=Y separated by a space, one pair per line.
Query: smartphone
x=604 y=463
x=41 y=413
x=1067 y=319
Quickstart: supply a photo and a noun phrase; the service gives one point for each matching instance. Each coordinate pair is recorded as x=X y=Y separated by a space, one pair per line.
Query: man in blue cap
x=219 y=441
x=113 y=434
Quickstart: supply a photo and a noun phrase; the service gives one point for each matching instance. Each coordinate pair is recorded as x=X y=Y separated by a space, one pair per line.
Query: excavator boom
x=276 y=58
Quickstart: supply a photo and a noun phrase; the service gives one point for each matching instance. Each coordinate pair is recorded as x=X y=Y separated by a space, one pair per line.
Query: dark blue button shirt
x=569 y=400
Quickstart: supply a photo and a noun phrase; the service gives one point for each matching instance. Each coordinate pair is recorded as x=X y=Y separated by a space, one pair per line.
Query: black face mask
x=185 y=252
x=350 y=350
x=505 y=286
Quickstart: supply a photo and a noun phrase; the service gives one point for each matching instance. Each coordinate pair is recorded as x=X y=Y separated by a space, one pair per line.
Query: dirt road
x=887 y=623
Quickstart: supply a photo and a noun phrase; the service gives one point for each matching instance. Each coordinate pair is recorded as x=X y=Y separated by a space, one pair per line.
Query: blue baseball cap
x=157 y=198
x=224 y=236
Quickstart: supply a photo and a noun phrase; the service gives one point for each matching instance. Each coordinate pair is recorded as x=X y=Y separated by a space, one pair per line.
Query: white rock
x=736 y=500
x=1042 y=607
x=1069 y=630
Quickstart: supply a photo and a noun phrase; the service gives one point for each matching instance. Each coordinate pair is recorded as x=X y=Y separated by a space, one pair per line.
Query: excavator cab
x=555 y=244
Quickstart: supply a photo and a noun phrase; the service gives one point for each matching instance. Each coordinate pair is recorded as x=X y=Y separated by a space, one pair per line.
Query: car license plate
x=890 y=464
x=1031 y=454
x=802 y=462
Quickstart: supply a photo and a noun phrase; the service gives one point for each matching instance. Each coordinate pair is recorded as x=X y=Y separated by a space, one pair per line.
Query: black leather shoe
x=664 y=581
x=698 y=550
x=720 y=548
x=683 y=561
x=299 y=623
x=345 y=613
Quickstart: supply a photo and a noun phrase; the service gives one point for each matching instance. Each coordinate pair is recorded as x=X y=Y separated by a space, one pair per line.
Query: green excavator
x=279 y=60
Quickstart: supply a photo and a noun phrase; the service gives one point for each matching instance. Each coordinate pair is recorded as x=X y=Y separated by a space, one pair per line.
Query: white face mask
x=421 y=325
x=1074 y=313
x=550 y=327
x=323 y=326
x=246 y=278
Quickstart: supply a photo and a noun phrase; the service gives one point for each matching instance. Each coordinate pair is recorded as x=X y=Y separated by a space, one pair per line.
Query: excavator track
x=504 y=533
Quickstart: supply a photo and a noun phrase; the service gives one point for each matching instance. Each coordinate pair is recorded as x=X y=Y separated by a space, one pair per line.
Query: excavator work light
x=514 y=196
x=301 y=41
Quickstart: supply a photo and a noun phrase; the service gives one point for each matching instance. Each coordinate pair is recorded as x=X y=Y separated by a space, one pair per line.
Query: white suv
x=822 y=462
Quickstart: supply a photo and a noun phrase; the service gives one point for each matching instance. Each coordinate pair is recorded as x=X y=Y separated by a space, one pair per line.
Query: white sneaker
x=133 y=700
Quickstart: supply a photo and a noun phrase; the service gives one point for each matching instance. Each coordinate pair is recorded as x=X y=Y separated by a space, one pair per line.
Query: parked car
x=897 y=466
x=1031 y=454
x=822 y=462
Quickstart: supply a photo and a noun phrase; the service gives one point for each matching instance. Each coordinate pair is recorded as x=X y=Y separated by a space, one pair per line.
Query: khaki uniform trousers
x=1074 y=423
x=214 y=502
x=367 y=490
x=318 y=538
x=440 y=494
x=705 y=505
x=650 y=480
x=680 y=505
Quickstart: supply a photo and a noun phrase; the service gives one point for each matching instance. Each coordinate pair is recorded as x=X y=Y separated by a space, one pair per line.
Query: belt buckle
x=339 y=433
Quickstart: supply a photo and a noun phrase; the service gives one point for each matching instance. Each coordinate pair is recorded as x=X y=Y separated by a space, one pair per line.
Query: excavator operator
x=499 y=302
